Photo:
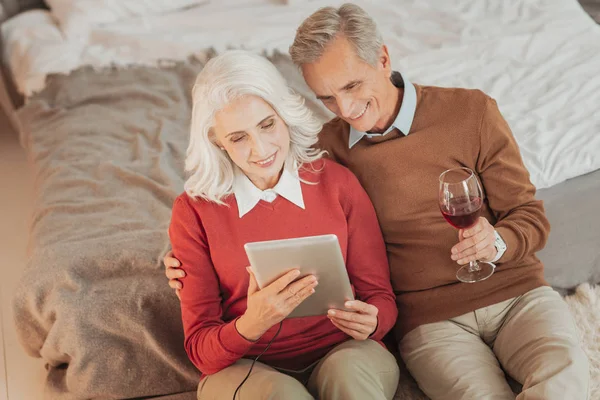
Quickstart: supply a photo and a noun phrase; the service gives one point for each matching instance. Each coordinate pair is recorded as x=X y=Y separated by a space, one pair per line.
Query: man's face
x=357 y=92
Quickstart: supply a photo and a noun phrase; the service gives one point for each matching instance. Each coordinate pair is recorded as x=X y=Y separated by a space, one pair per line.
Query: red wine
x=462 y=212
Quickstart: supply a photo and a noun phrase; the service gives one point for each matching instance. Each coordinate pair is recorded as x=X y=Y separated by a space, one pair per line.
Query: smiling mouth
x=362 y=112
x=266 y=161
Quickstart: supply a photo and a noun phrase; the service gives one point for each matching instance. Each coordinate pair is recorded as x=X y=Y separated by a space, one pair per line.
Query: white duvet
x=539 y=58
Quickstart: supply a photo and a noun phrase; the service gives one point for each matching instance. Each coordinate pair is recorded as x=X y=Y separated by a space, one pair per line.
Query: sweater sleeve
x=366 y=258
x=211 y=343
x=520 y=218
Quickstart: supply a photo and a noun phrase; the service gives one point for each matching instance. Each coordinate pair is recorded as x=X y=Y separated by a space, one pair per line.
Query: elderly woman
x=255 y=175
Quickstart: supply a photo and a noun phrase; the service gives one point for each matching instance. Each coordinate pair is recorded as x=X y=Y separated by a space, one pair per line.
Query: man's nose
x=345 y=106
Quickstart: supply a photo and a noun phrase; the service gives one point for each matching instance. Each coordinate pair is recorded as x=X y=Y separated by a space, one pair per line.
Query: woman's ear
x=213 y=139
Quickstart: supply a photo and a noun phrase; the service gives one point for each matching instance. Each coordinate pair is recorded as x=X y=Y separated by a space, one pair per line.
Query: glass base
x=482 y=271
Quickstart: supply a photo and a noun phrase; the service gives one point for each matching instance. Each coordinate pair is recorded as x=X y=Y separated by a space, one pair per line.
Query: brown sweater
x=451 y=128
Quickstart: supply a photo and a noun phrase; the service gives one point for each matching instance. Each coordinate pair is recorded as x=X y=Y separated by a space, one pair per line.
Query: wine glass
x=460 y=200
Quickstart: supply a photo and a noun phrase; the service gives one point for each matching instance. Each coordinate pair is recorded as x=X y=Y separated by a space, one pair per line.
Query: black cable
x=256 y=359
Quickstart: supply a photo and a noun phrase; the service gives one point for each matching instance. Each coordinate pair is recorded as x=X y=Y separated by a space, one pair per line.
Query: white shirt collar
x=405 y=116
x=248 y=195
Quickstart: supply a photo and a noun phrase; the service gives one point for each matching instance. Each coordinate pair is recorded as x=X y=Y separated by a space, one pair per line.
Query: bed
x=104 y=125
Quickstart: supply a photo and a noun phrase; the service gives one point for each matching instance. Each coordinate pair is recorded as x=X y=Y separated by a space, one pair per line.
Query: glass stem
x=474 y=266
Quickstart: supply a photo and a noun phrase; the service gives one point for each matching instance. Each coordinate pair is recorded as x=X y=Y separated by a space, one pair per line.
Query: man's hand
x=173 y=271
x=475 y=243
x=360 y=322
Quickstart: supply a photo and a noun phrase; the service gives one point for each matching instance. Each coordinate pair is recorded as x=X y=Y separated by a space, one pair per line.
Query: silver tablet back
x=317 y=255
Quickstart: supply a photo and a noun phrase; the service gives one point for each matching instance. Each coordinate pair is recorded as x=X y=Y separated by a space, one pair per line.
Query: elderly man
x=457 y=339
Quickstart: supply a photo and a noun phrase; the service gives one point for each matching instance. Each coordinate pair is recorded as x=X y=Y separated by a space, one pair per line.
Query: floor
x=21 y=376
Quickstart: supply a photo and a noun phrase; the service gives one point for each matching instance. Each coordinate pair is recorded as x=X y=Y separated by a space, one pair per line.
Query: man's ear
x=384 y=62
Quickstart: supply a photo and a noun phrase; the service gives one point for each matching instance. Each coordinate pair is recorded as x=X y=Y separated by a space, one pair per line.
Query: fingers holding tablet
x=360 y=322
x=291 y=293
x=270 y=305
x=281 y=283
x=298 y=291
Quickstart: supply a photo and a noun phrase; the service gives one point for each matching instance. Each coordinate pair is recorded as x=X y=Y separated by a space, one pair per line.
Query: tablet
x=320 y=256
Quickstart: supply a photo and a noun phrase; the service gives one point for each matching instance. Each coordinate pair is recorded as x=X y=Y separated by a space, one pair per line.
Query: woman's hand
x=360 y=322
x=173 y=272
x=270 y=305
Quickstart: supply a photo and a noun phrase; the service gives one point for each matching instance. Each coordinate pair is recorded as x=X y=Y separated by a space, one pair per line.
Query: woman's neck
x=266 y=183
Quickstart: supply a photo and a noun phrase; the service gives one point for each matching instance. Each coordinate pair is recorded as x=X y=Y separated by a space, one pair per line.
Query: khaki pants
x=533 y=337
x=353 y=370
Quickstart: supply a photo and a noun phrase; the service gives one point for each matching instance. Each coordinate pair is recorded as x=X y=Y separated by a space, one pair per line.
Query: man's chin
x=360 y=126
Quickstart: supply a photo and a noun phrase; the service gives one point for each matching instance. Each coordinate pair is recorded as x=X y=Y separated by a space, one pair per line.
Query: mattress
x=538 y=58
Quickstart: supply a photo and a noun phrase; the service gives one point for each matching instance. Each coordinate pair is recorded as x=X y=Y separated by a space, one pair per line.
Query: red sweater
x=208 y=239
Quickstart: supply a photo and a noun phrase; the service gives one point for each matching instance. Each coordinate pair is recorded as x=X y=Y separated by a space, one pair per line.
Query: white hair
x=326 y=24
x=223 y=79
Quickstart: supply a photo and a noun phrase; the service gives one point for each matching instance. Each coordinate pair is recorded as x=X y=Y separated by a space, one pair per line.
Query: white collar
x=248 y=195
x=406 y=114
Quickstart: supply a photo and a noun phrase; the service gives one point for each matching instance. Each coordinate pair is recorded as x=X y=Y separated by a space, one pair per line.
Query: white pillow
x=77 y=17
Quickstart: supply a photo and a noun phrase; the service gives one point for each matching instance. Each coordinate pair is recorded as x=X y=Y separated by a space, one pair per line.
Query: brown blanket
x=107 y=150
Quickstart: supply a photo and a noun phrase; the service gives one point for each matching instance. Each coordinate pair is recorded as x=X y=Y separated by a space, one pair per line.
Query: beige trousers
x=353 y=370
x=532 y=337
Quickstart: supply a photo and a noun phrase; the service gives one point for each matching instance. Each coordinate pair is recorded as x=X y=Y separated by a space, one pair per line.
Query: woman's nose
x=259 y=149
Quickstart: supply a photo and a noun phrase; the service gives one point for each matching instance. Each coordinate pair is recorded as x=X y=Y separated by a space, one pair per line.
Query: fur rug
x=585 y=307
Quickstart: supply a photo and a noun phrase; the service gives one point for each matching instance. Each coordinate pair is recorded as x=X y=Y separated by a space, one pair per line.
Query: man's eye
x=352 y=86
x=269 y=125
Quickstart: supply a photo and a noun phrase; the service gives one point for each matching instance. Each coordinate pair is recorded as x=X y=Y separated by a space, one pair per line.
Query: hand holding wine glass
x=475 y=243
x=460 y=200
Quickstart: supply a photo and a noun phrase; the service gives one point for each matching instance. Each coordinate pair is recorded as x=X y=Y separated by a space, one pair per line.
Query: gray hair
x=327 y=23
x=223 y=79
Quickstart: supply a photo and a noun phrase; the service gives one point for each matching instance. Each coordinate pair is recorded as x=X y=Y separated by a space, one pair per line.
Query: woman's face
x=256 y=139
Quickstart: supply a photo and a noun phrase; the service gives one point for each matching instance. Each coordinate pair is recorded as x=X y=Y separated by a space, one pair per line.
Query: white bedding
x=539 y=58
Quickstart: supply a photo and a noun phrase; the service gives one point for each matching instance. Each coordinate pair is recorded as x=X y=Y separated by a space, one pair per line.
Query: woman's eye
x=236 y=139
x=269 y=125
